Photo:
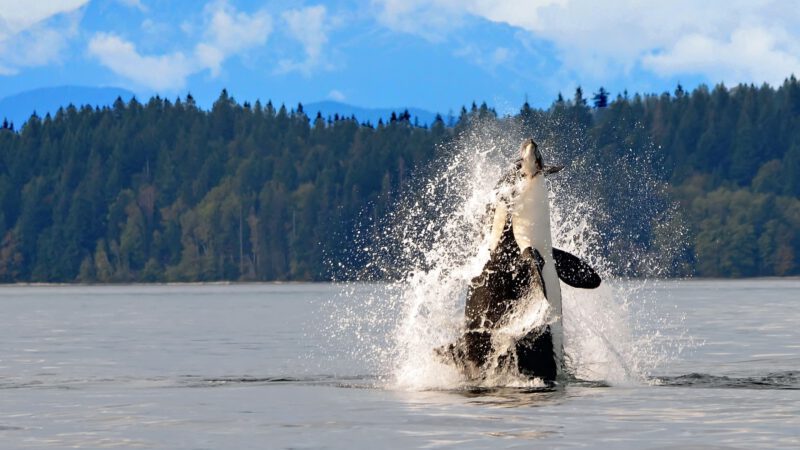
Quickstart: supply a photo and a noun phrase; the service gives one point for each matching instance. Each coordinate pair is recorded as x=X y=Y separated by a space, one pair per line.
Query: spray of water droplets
x=605 y=208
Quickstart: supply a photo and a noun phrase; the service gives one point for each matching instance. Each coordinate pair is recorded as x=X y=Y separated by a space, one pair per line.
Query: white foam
x=442 y=233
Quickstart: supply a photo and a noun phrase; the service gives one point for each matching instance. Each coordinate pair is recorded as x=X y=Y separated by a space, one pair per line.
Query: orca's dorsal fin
x=575 y=271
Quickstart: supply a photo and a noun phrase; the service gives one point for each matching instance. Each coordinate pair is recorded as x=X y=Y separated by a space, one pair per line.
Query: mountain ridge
x=365 y=114
x=18 y=108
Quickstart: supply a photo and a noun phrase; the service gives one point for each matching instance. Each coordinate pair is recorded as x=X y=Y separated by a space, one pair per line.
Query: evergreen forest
x=166 y=191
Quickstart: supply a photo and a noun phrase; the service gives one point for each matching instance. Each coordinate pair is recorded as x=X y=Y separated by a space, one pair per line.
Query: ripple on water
x=775 y=380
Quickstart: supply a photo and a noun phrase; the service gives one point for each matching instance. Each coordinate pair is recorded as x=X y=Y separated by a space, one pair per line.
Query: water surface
x=254 y=366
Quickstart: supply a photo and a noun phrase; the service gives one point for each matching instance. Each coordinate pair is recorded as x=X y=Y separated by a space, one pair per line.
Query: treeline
x=733 y=157
x=166 y=191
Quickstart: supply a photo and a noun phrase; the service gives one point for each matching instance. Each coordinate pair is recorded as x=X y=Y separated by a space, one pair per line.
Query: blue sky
x=435 y=54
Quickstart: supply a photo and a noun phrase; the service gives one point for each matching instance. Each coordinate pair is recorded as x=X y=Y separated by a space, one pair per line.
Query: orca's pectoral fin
x=534 y=258
x=575 y=271
x=549 y=170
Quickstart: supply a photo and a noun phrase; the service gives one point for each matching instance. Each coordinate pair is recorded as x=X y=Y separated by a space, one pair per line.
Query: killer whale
x=522 y=265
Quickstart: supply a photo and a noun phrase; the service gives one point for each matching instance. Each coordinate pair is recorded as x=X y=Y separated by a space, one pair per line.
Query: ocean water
x=290 y=366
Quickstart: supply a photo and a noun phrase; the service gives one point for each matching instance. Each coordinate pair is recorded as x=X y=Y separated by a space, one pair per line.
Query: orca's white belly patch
x=530 y=217
x=498 y=224
x=530 y=221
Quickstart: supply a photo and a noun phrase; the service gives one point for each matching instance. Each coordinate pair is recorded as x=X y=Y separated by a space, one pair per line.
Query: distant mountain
x=19 y=107
x=329 y=108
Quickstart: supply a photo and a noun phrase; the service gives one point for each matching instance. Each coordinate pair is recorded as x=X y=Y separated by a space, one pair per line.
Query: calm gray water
x=252 y=366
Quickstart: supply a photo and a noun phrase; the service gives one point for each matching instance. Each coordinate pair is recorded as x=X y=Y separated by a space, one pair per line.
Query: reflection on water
x=514 y=397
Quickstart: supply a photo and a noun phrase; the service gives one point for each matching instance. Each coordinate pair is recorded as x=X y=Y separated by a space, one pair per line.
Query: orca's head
x=532 y=163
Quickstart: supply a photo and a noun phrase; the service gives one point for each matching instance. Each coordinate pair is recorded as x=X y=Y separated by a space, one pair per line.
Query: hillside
x=166 y=191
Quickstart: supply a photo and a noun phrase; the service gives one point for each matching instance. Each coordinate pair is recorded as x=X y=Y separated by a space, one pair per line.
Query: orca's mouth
x=546 y=170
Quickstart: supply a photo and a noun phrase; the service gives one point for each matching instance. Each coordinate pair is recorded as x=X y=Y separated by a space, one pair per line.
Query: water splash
x=435 y=241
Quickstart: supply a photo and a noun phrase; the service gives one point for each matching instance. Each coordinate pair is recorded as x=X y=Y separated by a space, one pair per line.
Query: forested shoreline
x=165 y=191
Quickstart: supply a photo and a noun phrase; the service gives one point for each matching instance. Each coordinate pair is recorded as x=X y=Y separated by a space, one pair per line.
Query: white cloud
x=606 y=39
x=310 y=27
x=134 y=4
x=231 y=32
x=750 y=54
x=336 y=95
x=36 y=34
x=228 y=32
x=488 y=60
x=153 y=29
x=14 y=18
x=432 y=20
x=164 y=72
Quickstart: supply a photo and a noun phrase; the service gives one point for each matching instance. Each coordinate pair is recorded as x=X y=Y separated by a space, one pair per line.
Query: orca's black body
x=507 y=278
x=510 y=275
